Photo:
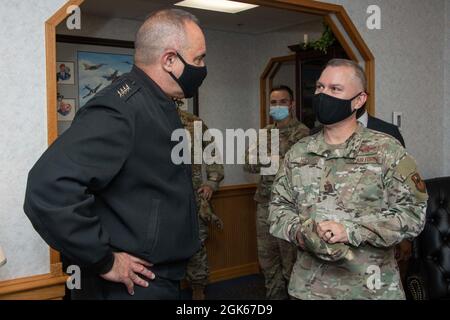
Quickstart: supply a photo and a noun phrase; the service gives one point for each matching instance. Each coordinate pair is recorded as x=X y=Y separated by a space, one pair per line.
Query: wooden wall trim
x=340 y=37
x=50 y=51
x=235 y=190
x=306 y=6
x=41 y=287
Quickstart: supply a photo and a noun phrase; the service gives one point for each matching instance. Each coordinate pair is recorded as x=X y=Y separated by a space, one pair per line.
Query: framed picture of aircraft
x=97 y=70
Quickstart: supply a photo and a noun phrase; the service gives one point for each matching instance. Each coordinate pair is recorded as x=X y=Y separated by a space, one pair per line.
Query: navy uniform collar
x=152 y=85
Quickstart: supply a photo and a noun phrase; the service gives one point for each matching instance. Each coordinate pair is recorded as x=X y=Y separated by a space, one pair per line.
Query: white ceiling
x=254 y=21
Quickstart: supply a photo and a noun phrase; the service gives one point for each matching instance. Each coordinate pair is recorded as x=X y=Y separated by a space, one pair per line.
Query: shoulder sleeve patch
x=406 y=172
x=404 y=168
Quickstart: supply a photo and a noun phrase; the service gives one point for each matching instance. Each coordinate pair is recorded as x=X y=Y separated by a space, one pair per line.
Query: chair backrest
x=433 y=244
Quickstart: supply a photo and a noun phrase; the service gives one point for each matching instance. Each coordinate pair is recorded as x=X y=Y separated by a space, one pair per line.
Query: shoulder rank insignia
x=124 y=90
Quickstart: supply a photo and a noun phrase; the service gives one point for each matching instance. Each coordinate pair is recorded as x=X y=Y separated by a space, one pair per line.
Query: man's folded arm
x=283 y=217
x=405 y=216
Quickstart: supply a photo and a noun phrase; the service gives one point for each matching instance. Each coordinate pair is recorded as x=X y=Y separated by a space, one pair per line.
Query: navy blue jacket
x=109 y=184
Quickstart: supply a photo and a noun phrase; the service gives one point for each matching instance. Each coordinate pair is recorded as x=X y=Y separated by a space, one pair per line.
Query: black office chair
x=428 y=276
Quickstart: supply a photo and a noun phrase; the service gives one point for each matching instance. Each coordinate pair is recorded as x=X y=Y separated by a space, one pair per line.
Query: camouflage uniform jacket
x=288 y=135
x=371 y=186
x=214 y=172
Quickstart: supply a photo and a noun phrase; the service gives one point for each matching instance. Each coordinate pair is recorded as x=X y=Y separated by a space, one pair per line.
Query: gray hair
x=359 y=72
x=161 y=30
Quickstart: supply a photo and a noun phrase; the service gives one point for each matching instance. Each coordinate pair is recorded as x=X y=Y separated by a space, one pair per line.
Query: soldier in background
x=346 y=196
x=276 y=257
x=197 y=270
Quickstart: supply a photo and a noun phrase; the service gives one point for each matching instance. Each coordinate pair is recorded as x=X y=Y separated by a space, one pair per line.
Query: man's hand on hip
x=126 y=269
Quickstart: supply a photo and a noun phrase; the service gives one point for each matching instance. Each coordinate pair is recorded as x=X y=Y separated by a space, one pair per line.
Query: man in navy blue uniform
x=107 y=194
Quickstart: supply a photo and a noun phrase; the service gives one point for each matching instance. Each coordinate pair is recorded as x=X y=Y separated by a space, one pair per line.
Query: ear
x=360 y=101
x=168 y=60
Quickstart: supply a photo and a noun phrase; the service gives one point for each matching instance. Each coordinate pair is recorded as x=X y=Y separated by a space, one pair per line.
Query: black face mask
x=331 y=110
x=191 y=79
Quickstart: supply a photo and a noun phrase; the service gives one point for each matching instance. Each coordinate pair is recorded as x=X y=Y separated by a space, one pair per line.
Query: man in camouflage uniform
x=197 y=270
x=346 y=196
x=276 y=257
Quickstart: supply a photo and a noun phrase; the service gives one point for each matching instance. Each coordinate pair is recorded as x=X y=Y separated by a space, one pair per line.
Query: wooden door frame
x=51 y=285
x=327 y=10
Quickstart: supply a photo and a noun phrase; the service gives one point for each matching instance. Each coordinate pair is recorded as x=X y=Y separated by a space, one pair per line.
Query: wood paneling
x=232 y=251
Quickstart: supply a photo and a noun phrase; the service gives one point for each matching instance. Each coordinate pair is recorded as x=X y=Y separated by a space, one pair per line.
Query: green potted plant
x=326 y=40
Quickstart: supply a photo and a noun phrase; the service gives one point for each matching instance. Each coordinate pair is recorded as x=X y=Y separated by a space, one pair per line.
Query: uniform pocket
x=306 y=183
x=152 y=227
x=364 y=192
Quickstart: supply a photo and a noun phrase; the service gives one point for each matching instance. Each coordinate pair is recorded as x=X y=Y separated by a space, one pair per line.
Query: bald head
x=165 y=29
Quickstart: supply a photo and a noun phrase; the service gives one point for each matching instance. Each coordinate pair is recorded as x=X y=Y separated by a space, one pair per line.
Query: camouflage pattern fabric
x=197 y=270
x=276 y=257
x=371 y=186
x=321 y=249
x=288 y=135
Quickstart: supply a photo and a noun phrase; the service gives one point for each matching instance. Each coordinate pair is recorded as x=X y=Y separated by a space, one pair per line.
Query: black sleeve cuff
x=104 y=265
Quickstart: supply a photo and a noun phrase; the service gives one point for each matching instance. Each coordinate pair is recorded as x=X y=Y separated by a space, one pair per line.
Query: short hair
x=161 y=30
x=359 y=72
x=283 y=88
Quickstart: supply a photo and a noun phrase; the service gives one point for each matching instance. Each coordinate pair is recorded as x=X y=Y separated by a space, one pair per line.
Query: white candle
x=305 y=38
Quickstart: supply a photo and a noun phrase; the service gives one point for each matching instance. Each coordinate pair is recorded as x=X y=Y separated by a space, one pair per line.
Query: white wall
x=23 y=133
x=409 y=71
